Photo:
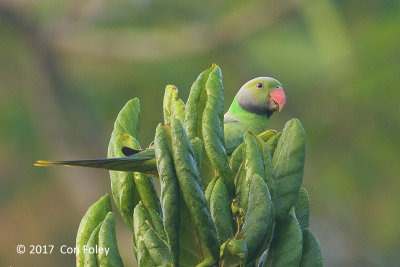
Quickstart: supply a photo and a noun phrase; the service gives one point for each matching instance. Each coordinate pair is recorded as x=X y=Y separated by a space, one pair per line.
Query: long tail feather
x=137 y=161
x=134 y=164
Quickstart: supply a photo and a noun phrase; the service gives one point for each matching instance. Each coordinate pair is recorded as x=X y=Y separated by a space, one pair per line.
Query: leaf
x=267 y=135
x=127 y=188
x=288 y=161
x=107 y=240
x=213 y=127
x=236 y=158
x=272 y=142
x=169 y=188
x=210 y=188
x=286 y=246
x=190 y=247
x=173 y=106
x=195 y=105
x=140 y=216
x=155 y=222
x=92 y=218
x=220 y=209
x=239 y=181
x=128 y=121
x=158 y=248
x=193 y=121
x=198 y=147
x=253 y=164
x=258 y=223
x=268 y=167
x=234 y=252
x=193 y=199
x=302 y=208
x=147 y=191
x=312 y=256
x=90 y=258
x=126 y=196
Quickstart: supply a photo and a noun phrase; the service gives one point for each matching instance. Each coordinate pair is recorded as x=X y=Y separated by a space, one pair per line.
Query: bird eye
x=260 y=85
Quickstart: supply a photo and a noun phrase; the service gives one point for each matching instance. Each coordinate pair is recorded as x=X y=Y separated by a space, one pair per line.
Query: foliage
x=215 y=220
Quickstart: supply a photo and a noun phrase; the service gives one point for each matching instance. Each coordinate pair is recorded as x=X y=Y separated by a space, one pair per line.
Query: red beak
x=279 y=97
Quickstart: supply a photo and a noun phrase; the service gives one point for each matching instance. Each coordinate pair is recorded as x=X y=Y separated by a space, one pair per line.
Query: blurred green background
x=67 y=68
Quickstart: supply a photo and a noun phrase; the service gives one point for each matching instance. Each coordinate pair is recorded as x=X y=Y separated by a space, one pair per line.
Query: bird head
x=262 y=95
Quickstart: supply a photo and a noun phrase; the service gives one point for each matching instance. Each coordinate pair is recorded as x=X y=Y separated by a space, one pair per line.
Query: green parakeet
x=250 y=110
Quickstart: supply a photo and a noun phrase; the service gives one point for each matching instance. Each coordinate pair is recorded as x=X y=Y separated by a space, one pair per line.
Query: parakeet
x=250 y=110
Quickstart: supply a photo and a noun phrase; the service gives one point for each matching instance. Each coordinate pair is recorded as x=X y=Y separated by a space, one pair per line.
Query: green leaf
x=195 y=105
x=108 y=241
x=210 y=188
x=92 y=218
x=198 y=147
x=173 y=106
x=267 y=135
x=194 y=199
x=140 y=216
x=312 y=256
x=236 y=158
x=272 y=142
x=128 y=121
x=239 y=181
x=147 y=191
x=190 y=246
x=234 y=252
x=213 y=127
x=125 y=195
x=158 y=248
x=238 y=167
x=144 y=219
x=302 y=208
x=253 y=164
x=268 y=167
x=220 y=209
x=156 y=222
x=258 y=223
x=122 y=186
x=286 y=246
x=91 y=258
x=288 y=161
x=169 y=188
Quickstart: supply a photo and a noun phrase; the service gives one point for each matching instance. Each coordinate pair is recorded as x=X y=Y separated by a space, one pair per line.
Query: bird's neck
x=256 y=123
